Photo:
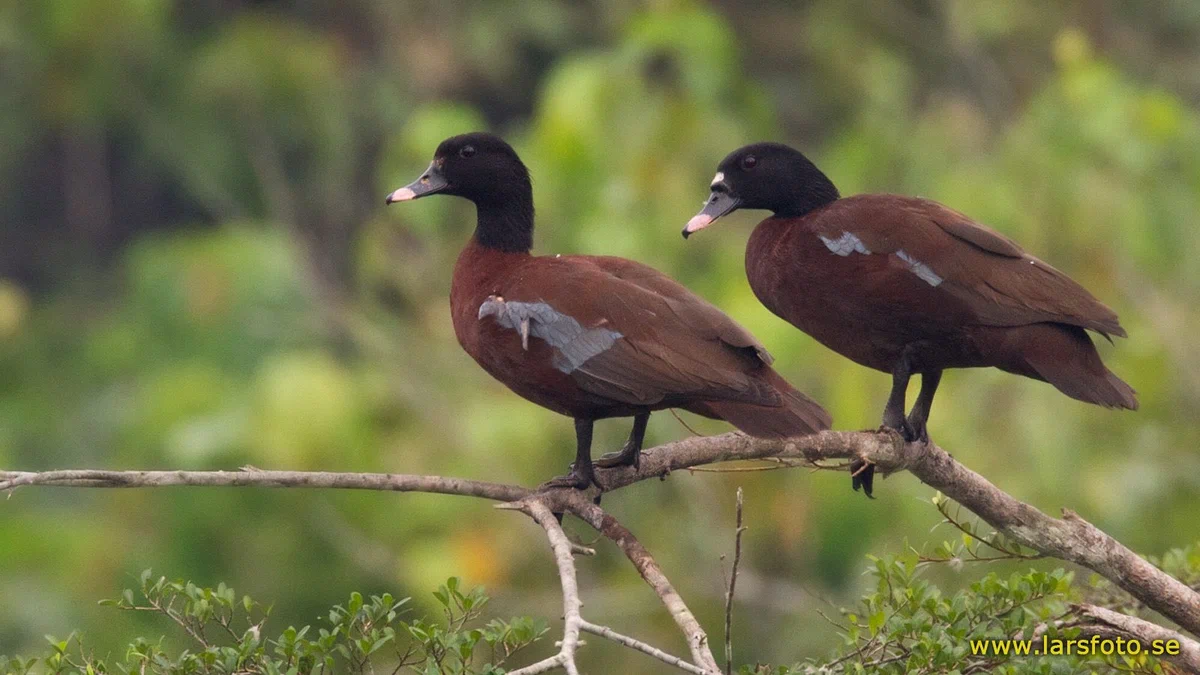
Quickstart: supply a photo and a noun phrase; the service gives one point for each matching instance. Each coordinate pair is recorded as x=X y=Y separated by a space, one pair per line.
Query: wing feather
x=625 y=332
x=997 y=281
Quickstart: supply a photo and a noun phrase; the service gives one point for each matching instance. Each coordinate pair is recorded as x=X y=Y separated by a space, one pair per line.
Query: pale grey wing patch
x=574 y=343
x=919 y=268
x=848 y=243
x=845 y=244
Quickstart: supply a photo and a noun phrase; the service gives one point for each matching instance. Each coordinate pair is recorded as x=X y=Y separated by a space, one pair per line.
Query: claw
x=862 y=475
x=525 y=334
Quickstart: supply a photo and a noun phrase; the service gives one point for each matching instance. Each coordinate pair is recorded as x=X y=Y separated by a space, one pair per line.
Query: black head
x=769 y=176
x=485 y=169
x=478 y=166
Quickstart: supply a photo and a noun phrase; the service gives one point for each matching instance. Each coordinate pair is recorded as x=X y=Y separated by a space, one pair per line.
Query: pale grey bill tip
x=402 y=195
x=698 y=222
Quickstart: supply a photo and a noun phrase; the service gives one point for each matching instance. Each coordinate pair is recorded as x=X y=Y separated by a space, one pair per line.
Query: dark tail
x=1065 y=357
x=798 y=415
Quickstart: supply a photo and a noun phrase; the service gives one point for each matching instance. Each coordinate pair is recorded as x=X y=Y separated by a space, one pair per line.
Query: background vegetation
x=197 y=271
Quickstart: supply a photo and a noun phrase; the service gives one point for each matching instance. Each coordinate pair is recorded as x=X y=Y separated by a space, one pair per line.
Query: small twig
x=645 y=564
x=928 y=560
x=580 y=549
x=608 y=633
x=739 y=469
x=733 y=574
x=685 y=424
x=572 y=619
x=990 y=542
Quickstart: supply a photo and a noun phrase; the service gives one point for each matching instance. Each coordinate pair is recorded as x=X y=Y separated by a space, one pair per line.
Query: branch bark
x=1107 y=624
x=393 y=482
x=535 y=507
x=733 y=575
x=1069 y=538
x=638 y=645
x=645 y=564
x=572 y=619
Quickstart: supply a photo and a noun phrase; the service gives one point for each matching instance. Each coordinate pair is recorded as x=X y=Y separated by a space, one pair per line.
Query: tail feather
x=798 y=415
x=1065 y=357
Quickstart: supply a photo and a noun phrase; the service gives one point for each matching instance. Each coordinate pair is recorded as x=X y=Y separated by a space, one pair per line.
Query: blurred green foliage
x=196 y=271
x=226 y=634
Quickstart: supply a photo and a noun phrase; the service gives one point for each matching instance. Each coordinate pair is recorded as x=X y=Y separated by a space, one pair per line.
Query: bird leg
x=582 y=474
x=862 y=472
x=919 y=415
x=893 y=412
x=631 y=453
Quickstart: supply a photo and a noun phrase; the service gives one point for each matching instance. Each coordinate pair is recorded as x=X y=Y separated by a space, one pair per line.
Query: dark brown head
x=769 y=176
x=485 y=169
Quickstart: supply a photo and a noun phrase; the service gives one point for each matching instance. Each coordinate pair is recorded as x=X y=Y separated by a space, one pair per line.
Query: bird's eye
x=467 y=151
x=749 y=162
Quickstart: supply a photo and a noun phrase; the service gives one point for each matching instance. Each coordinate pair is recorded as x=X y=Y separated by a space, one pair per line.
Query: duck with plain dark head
x=594 y=337
x=906 y=285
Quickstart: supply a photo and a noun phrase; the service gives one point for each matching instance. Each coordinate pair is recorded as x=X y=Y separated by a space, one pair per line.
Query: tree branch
x=573 y=620
x=1069 y=538
x=564 y=558
x=638 y=645
x=1108 y=624
x=646 y=566
x=393 y=482
x=733 y=575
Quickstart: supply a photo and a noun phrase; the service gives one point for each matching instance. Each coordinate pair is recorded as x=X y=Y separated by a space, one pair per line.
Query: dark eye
x=749 y=162
x=467 y=151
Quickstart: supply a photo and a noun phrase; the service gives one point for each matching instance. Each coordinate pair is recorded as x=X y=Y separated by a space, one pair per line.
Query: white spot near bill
x=919 y=268
x=718 y=178
x=845 y=244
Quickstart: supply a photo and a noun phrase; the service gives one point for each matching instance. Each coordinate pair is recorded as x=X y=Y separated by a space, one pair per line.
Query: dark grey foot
x=577 y=479
x=862 y=475
x=628 y=456
x=900 y=424
x=916 y=430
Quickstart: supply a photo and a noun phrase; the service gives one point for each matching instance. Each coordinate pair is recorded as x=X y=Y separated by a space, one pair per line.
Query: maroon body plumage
x=594 y=337
x=906 y=285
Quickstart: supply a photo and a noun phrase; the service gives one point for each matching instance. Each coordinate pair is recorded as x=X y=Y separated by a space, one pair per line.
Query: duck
x=593 y=337
x=907 y=286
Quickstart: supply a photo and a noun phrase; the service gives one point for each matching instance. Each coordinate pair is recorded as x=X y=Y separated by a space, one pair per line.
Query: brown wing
x=999 y=283
x=636 y=340
x=697 y=313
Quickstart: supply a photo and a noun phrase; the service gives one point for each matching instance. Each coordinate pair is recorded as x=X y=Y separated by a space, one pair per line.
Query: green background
x=197 y=271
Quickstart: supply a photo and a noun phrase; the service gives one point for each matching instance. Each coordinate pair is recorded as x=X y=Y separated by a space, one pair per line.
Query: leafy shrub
x=228 y=634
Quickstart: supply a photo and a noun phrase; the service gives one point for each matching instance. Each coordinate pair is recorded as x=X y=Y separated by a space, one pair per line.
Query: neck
x=505 y=225
x=813 y=191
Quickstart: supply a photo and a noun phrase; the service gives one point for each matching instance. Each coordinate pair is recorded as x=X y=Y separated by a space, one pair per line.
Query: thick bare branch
x=1107 y=624
x=394 y=482
x=1068 y=538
